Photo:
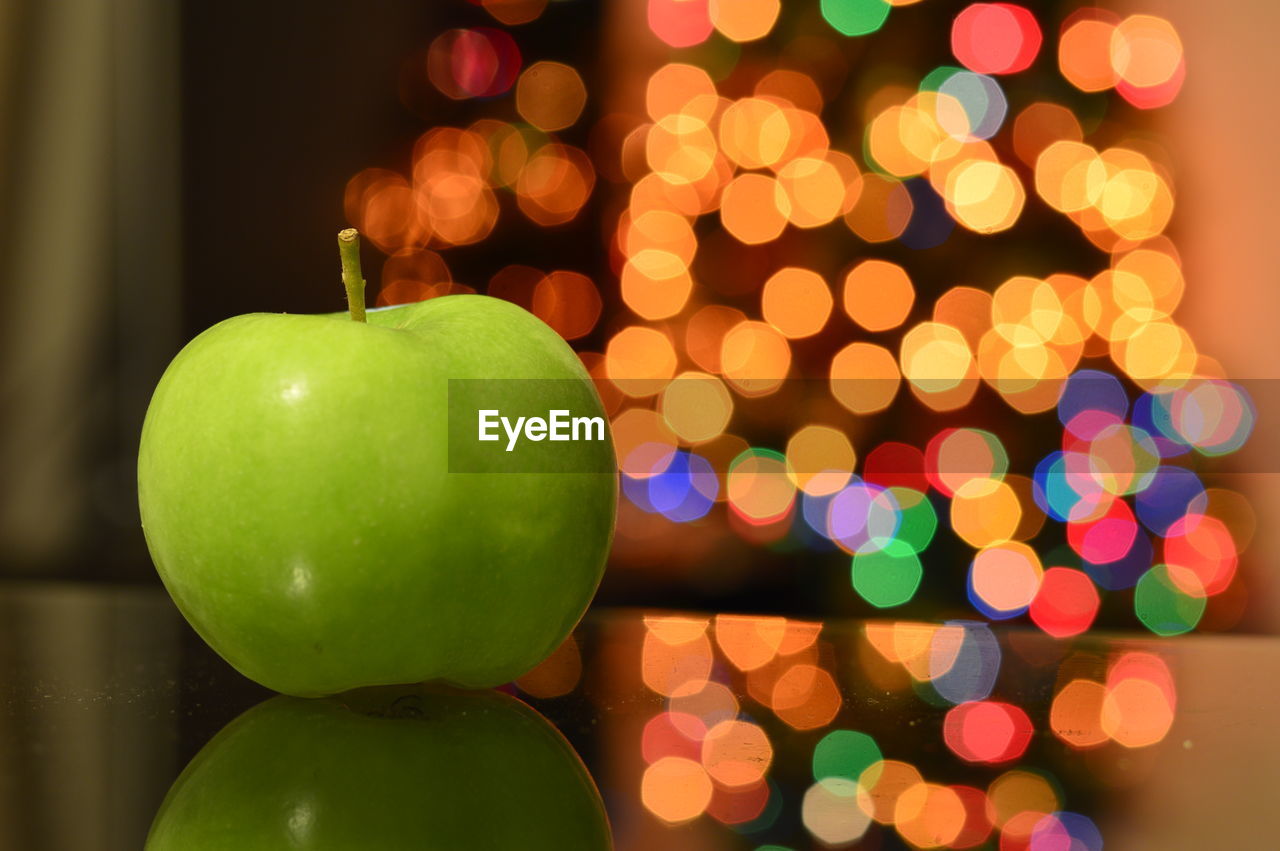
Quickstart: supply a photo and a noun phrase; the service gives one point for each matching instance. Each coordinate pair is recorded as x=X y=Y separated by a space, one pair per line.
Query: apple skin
x=295 y=493
x=387 y=770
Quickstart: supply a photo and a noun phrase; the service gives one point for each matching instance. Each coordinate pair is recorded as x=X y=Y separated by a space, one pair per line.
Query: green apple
x=316 y=500
x=386 y=770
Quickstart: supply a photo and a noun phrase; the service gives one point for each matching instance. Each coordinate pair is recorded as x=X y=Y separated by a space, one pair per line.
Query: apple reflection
x=397 y=767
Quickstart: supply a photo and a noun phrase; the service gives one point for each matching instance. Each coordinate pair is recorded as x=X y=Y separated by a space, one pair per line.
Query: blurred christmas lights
x=767 y=218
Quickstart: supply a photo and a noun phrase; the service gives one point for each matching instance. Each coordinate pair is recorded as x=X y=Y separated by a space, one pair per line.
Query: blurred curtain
x=89 y=233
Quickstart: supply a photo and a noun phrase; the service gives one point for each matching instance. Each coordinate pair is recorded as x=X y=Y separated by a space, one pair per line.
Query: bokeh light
x=754 y=208
x=473 y=63
x=987 y=731
x=830 y=811
x=676 y=789
x=996 y=38
x=929 y=815
x=855 y=17
x=904 y=304
x=1075 y=715
x=1004 y=579
x=1136 y=711
x=736 y=753
x=878 y=295
x=796 y=301
x=864 y=377
x=550 y=95
x=755 y=358
x=1066 y=603
x=680 y=23
x=887 y=576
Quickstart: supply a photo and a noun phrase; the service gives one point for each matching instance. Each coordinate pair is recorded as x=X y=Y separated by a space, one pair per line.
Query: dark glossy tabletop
x=715 y=731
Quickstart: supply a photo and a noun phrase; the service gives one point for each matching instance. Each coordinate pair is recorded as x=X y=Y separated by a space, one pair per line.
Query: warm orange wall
x=1224 y=134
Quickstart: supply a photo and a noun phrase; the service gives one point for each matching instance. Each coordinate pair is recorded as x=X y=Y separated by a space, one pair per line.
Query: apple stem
x=349 y=251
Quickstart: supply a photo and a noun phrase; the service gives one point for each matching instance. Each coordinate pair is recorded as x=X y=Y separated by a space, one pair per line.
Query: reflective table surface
x=700 y=730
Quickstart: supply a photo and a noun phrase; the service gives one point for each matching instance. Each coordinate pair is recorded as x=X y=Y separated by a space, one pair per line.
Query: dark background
x=226 y=134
